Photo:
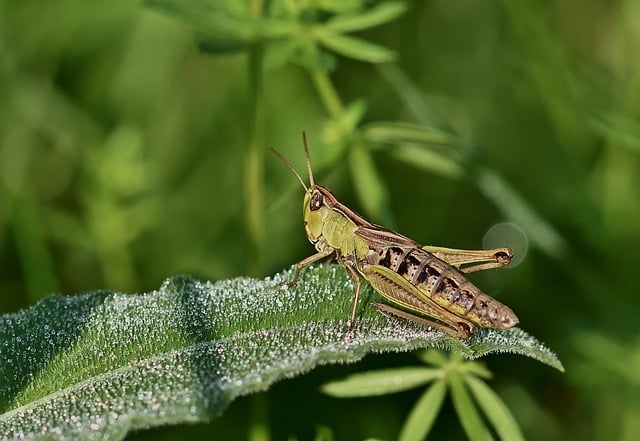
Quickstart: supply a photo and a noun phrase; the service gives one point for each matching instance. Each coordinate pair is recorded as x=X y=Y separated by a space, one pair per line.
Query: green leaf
x=475 y=368
x=423 y=414
x=371 y=189
x=353 y=47
x=313 y=57
x=101 y=364
x=426 y=147
x=434 y=357
x=377 y=15
x=278 y=53
x=338 y=6
x=205 y=17
x=397 y=133
x=411 y=95
x=518 y=210
x=467 y=412
x=353 y=114
x=495 y=410
x=381 y=382
x=324 y=433
x=443 y=163
x=223 y=26
x=622 y=129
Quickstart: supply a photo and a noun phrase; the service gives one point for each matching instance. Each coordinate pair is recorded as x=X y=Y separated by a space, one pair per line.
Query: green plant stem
x=254 y=208
x=328 y=94
x=259 y=411
x=254 y=165
x=29 y=236
x=256 y=7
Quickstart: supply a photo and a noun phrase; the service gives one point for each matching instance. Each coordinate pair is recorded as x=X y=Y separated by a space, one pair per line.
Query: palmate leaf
x=424 y=413
x=352 y=47
x=375 y=16
x=495 y=410
x=468 y=413
x=382 y=382
x=97 y=365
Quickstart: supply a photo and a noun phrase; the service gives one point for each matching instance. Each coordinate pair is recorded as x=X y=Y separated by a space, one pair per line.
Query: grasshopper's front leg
x=482 y=259
x=308 y=261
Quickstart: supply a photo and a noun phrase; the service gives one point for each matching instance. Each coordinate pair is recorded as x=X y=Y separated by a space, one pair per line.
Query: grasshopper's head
x=317 y=199
x=317 y=203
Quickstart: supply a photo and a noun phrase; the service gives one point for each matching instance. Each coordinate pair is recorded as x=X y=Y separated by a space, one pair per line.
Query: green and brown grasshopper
x=422 y=280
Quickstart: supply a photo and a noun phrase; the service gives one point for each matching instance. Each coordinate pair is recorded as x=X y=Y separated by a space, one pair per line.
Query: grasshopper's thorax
x=328 y=227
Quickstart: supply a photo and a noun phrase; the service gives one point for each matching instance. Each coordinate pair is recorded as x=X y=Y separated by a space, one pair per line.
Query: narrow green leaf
x=101 y=364
x=619 y=360
x=352 y=114
x=314 y=58
x=623 y=129
x=339 y=6
x=353 y=47
x=377 y=15
x=219 y=30
x=467 y=412
x=381 y=382
x=423 y=414
x=412 y=96
x=278 y=53
x=396 y=133
x=496 y=411
x=476 y=368
x=434 y=357
x=518 y=210
x=223 y=26
x=372 y=192
x=434 y=161
x=324 y=433
x=205 y=17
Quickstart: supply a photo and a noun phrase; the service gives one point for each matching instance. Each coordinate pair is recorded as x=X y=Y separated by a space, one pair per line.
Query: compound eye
x=316 y=201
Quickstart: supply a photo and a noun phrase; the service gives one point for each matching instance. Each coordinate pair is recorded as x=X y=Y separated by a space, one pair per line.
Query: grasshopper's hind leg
x=391 y=312
x=477 y=260
x=398 y=290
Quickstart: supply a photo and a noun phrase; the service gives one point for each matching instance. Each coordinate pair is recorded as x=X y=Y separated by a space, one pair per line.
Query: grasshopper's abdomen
x=446 y=286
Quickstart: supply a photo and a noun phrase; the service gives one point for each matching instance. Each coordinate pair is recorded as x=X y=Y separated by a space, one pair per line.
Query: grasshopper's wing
x=478 y=260
x=379 y=237
x=467 y=261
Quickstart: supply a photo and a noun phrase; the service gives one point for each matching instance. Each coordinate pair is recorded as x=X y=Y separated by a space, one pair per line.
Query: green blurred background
x=124 y=158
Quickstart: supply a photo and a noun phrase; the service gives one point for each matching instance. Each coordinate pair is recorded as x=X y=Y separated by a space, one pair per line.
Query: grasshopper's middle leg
x=349 y=265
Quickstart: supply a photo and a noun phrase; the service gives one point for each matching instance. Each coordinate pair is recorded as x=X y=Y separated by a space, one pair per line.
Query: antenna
x=290 y=167
x=306 y=154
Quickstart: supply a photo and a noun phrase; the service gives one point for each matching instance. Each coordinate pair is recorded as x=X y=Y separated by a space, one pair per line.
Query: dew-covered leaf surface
x=97 y=365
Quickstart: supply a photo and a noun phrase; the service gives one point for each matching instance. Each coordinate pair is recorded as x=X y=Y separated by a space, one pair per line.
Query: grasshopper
x=424 y=281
